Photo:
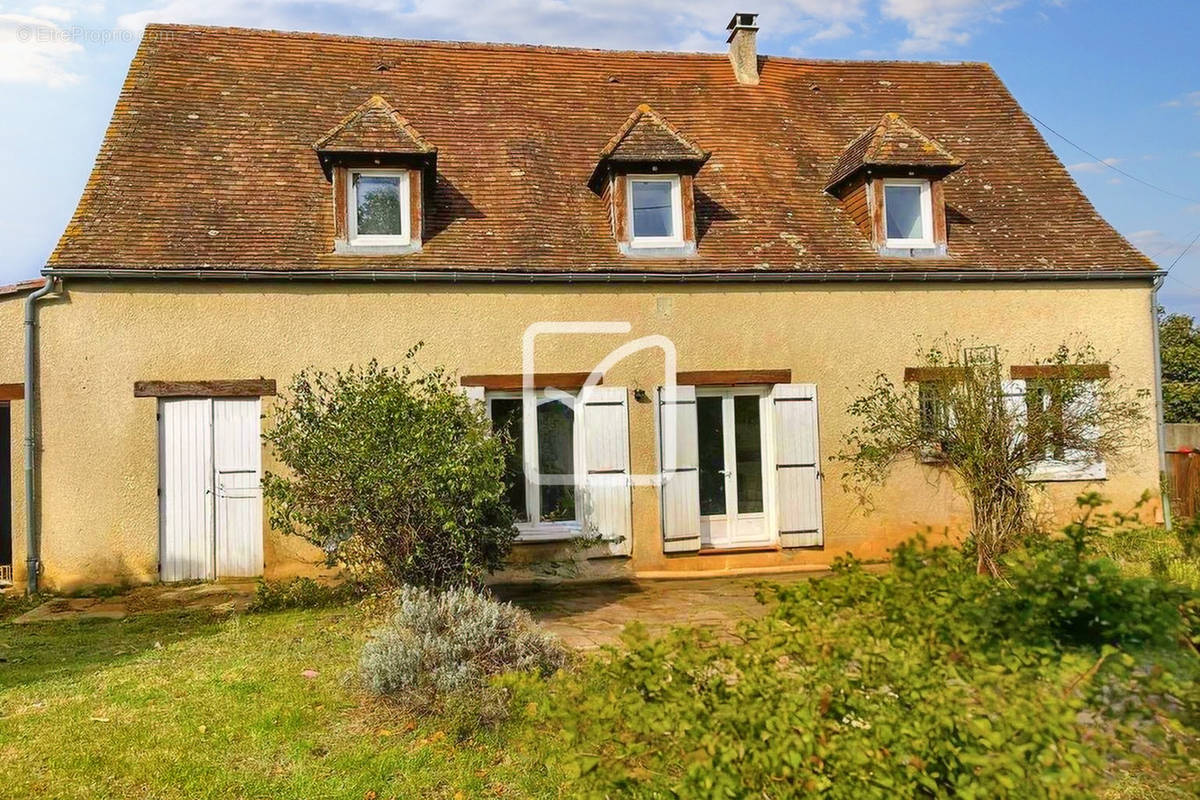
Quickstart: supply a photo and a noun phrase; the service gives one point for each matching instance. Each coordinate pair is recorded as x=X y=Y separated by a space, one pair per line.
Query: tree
x=393 y=473
x=1179 y=349
x=962 y=416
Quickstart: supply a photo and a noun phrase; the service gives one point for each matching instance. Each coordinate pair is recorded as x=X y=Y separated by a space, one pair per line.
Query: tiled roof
x=892 y=142
x=22 y=287
x=646 y=136
x=374 y=127
x=208 y=162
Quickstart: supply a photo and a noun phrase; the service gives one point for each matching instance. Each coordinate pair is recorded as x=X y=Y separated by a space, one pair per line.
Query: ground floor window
x=543 y=465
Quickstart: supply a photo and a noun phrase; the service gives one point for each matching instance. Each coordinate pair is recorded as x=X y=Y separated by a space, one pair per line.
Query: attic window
x=378 y=203
x=655 y=210
x=908 y=211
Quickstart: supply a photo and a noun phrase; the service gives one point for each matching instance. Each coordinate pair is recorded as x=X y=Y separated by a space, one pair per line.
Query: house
x=763 y=234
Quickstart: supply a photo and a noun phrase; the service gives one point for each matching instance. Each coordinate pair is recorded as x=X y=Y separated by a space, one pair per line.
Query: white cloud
x=1094 y=166
x=1188 y=100
x=838 y=30
x=650 y=24
x=937 y=24
x=36 y=50
x=56 y=13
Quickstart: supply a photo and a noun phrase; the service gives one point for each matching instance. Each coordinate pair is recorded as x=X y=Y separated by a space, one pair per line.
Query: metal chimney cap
x=743 y=19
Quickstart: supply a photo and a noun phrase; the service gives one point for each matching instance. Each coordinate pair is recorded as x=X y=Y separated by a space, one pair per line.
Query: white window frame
x=535 y=529
x=676 y=211
x=926 y=239
x=378 y=240
x=1072 y=467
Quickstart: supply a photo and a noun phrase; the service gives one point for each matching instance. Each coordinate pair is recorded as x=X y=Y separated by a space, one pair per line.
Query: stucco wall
x=100 y=516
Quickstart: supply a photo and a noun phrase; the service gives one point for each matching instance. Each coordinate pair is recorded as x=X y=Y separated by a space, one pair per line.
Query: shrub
x=864 y=685
x=300 y=593
x=967 y=422
x=1063 y=594
x=393 y=474
x=441 y=645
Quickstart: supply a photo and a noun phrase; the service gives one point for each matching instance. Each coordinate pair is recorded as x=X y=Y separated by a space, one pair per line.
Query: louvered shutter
x=797 y=465
x=606 y=507
x=679 y=462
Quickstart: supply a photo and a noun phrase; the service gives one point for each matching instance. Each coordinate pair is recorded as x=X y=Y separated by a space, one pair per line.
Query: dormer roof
x=647 y=137
x=892 y=142
x=374 y=127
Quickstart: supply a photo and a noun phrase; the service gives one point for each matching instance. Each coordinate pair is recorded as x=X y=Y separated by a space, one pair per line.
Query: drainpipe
x=32 y=561
x=1159 y=411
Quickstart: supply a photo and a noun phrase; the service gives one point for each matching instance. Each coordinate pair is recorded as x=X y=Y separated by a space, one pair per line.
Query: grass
x=194 y=706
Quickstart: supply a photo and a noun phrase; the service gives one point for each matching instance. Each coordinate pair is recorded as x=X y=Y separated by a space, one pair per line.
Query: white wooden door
x=210 y=493
x=238 y=493
x=185 y=489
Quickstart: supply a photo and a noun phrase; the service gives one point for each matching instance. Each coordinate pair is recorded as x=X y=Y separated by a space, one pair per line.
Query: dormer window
x=645 y=174
x=908 y=212
x=379 y=207
x=382 y=172
x=655 y=211
x=890 y=180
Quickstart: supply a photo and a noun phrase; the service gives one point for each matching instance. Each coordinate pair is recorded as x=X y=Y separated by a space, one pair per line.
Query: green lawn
x=188 y=705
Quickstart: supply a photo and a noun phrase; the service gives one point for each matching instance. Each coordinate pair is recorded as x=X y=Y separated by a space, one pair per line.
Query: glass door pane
x=747 y=442
x=506 y=418
x=556 y=460
x=710 y=429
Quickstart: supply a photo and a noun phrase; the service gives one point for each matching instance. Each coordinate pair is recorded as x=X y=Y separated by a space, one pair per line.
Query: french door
x=733 y=443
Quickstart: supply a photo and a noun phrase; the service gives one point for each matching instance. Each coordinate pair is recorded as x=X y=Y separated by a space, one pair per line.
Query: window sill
x=1053 y=471
x=733 y=551
x=923 y=251
x=548 y=532
x=665 y=250
x=357 y=248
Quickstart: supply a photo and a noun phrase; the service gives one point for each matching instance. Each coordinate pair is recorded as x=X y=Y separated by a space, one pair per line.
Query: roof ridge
x=465 y=44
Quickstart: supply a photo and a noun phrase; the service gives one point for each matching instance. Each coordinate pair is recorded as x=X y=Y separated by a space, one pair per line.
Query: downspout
x=32 y=561
x=1159 y=412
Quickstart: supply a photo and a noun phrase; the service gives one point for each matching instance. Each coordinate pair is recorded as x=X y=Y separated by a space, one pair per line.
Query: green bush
x=440 y=649
x=301 y=593
x=910 y=683
x=393 y=473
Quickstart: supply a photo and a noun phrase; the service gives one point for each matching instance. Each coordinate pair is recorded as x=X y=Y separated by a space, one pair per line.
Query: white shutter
x=473 y=393
x=797 y=465
x=185 y=489
x=1014 y=408
x=607 y=509
x=679 y=462
x=237 y=462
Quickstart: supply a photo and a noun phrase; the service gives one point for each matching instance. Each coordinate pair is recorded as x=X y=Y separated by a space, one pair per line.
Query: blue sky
x=1122 y=80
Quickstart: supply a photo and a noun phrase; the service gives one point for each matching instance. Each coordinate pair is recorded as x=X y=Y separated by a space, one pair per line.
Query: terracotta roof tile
x=208 y=160
x=373 y=127
x=892 y=142
x=646 y=136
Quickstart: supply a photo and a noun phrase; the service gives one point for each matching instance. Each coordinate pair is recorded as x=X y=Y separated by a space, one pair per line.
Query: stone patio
x=584 y=615
x=587 y=616
x=219 y=597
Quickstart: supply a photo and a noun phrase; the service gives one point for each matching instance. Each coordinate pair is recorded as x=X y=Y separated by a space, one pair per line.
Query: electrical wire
x=1113 y=167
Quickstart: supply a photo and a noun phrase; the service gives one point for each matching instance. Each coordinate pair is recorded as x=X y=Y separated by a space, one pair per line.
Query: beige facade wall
x=99 y=454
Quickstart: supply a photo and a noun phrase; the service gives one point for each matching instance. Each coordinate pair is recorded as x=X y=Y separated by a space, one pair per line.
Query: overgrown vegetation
x=439 y=650
x=965 y=417
x=927 y=680
x=301 y=592
x=393 y=473
x=1179 y=349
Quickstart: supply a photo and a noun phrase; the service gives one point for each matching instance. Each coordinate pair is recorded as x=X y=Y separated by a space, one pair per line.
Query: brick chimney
x=743 y=52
